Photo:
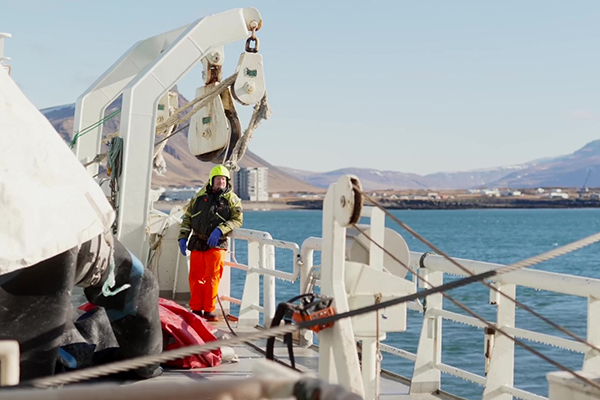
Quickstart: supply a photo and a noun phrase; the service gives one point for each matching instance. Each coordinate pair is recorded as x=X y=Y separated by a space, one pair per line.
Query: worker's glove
x=183 y=245
x=213 y=239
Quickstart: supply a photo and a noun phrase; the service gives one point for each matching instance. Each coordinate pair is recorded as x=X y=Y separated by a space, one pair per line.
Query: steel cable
x=568 y=248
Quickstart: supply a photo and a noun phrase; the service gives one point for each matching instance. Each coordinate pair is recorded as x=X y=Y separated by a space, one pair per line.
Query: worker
x=211 y=215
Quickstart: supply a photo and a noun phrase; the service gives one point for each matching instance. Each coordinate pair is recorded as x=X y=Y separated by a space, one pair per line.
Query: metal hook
x=249 y=48
x=252 y=38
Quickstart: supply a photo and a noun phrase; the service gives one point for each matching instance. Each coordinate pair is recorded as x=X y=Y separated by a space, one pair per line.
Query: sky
x=408 y=86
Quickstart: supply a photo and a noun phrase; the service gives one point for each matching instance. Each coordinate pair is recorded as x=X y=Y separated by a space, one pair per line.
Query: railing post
x=305 y=267
x=307 y=262
x=591 y=361
x=426 y=377
x=268 y=262
x=502 y=362
x=251 y=296
x=9 y=363
x=225 y=283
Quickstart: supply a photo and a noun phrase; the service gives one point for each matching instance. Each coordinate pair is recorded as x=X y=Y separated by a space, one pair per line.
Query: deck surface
x=178 y=383
x=307 y=360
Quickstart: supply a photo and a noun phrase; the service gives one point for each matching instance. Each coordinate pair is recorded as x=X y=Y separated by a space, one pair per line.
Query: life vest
x=209 y=211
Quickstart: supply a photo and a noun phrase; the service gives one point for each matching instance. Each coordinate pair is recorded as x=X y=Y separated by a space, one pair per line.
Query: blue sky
x=393 y=85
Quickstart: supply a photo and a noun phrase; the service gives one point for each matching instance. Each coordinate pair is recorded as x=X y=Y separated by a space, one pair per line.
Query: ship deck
x=307 y=360
x=207 y=382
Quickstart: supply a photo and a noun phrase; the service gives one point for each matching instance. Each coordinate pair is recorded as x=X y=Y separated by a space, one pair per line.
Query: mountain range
x=571 y=170
x=183 y=169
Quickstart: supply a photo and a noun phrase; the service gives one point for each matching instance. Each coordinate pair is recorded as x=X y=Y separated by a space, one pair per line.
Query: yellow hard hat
x=219 y=170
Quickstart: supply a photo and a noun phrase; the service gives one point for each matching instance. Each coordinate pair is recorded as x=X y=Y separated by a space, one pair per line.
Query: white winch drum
x=357 y=249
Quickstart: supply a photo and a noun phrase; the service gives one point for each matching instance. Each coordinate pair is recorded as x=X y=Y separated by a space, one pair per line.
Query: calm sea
x=500 y=236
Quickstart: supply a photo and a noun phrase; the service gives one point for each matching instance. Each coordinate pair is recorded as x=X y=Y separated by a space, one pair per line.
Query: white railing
x=261 y=262
x=498 y=382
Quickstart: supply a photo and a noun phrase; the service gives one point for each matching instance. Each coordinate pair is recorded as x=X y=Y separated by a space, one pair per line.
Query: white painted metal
x=551 y=340
x=591 y=362
x=284 y=276
x=377 y=235
x=143 y=75
x=500 y=377
x=209 y=130
x=548 y=339
x=257 y=308
x=503 y=353
x=338 y=360
x=268 y=254
x=3 y=59
x=398 y=352
x=248 y=314
x=168 y=103
x=236 y=265
x=309 y=246
x=426 y=377
x=452 y=316
x=265 y=238
x=521 y=394
x=9 y=363
x=363 y=282
x=171 y=267
x=428 y=365
x=231 y=300
x=535 y=279
x=91 y=105
x=225 y=282
x=261 y=262
x=414 y=306
x=359 y=249
x=461 y=373
x=371 y=365
x=249 y=86
x=565 y=386
x=138 y=119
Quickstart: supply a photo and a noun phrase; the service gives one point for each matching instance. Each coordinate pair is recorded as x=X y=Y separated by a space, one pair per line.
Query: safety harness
x=310 y=307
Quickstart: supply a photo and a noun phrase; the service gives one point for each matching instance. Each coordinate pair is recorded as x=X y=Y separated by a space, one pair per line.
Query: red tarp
x=187 y=329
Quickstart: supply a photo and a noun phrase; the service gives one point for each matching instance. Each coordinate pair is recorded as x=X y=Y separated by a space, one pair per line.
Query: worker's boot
x=210 y=316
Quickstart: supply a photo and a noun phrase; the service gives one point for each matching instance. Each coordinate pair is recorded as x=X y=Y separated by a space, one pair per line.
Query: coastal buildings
x=252 y=184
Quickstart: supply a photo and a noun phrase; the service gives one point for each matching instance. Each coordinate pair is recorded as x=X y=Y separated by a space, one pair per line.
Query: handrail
x=542 y=338
x=522 y=394
x=265 y=238
x=436 y=265
x=461 y=373
x=535 y=279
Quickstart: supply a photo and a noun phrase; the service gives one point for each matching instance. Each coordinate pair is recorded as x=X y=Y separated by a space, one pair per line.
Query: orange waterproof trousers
x=206 y=270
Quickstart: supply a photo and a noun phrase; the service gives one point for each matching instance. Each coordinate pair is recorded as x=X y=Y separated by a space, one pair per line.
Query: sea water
x=498 y=236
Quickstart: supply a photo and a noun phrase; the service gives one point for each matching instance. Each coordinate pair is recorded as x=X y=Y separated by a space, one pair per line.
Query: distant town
x=252 y=186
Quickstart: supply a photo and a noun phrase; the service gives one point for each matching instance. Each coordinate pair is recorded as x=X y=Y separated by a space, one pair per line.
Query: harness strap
x=283 y=312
